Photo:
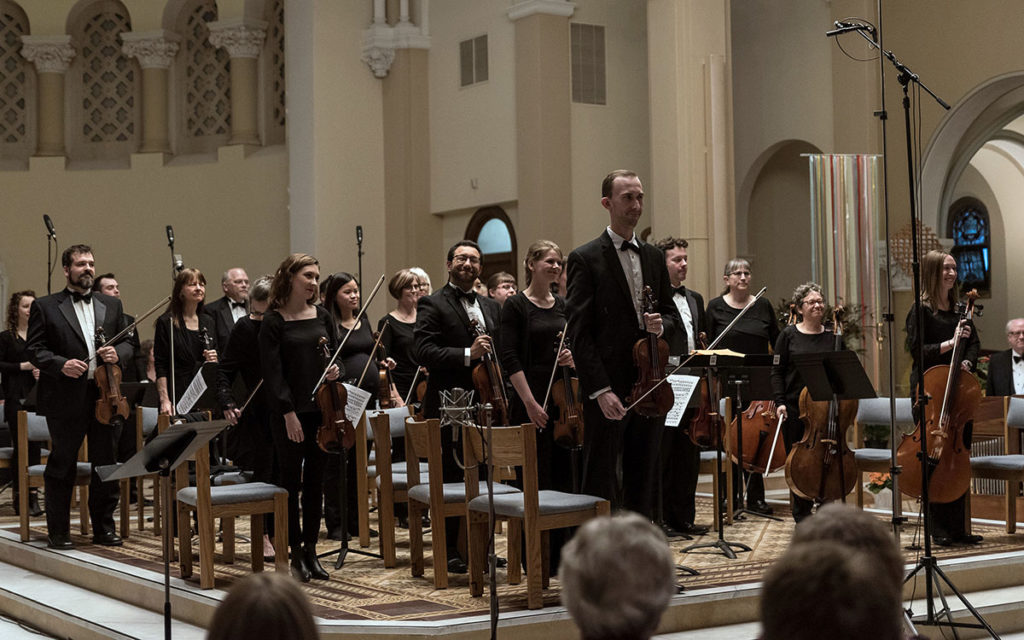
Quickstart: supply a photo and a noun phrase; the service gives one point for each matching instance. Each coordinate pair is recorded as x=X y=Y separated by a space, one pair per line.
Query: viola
x=760 y=430
x=949 y=461
x=336 y=431
x=821 y=467
x=488 y=381
x=111 y=407
x=565 y=393
x=650 y=355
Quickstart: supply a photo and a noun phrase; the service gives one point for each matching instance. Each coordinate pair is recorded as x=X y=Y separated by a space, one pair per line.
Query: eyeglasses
x=1015 y=334
x=464 y=258
x=815 y=303
x=740 y=274
x=415 y=287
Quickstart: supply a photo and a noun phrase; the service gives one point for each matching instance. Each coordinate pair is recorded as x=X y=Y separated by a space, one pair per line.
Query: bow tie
x=681 y=290
x=237 y=305
x=80 y=297
x=629 y=246
x=468 y=296
x=1017 y=358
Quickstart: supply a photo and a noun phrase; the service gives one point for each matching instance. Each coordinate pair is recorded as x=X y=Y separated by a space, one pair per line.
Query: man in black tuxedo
x=449 y=347
x=606 y=279
x=680 y=457
x=61 y=343
x=1006 y=368
x=134 y=367
x=230 y=308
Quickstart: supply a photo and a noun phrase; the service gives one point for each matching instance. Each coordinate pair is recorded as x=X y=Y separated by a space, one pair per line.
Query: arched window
x=103 y=83
x=491 y=228
x=272 y=59
x=16 y=87
x=203 y=80
x=968 y=225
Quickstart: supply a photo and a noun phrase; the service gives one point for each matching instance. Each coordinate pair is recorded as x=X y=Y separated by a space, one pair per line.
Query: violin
x=703 y=429
x=384 y=399
x=949 y=461
x=760 y=430
x=821 y=467
x=336 y=431
x=488 y=381
x=111 y=407
x=650 y=355
x=568 y=427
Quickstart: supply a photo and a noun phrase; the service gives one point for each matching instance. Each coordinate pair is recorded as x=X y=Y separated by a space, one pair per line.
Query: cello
x=111 y=407
x=821 y=467
x=949 y=461
x=650 y=397
x=760 y=436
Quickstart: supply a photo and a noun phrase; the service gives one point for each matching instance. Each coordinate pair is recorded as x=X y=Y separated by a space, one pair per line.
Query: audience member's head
x=828 y=589
x=268 y=606
x=617 y=577
x=856 y=529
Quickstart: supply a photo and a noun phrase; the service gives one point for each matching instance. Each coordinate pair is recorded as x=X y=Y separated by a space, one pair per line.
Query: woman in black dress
x=530 y=323
x=194 y=335
x=939 y=298
x=407 y=288
x=755 y=333
x=292 y=361
x=19 y=376
x=808 y=335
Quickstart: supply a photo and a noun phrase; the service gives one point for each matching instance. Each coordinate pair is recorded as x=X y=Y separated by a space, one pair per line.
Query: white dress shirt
x=87 y=321
x=630 y=261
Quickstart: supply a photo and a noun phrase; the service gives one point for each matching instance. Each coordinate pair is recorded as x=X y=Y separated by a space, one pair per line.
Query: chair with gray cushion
x=876 y=411
x=32 y=427
x=254 y=499
x=367 y=464
x=531 y=513
x=1008 y=467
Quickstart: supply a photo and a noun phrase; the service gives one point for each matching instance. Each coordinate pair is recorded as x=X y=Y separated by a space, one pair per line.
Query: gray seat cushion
x=397 y=469
x=455 y=492
x=82 y=469
x=233 y=494
x=551 y=502
x=998 y=463
x=226 y=479
x=871 y=456
x=7 y=453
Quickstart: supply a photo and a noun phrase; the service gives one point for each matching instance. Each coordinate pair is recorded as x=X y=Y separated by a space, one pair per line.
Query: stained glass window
x=971 y=232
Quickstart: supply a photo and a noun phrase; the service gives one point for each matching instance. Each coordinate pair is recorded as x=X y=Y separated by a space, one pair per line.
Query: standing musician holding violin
x=60 y=342
x=606 y=281
x=808 y=335
x=292 y=363
x=449 y=347
x=939 y=299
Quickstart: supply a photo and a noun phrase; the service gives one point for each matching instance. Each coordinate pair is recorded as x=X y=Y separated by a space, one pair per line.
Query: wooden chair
x=869 y=460
x=441 y=499
x=368 y=468
x=531 y=513
x=1008 y=467
x=32 y=427
x=253 y=499
x=7 y=459
x=390 y=478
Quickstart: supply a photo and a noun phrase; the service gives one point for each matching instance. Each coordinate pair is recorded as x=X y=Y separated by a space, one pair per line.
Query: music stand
x=754 y=373
x=710 y=364
x=165 y=453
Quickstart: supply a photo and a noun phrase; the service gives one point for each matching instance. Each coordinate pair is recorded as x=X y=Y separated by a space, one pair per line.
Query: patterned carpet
x=364 y=590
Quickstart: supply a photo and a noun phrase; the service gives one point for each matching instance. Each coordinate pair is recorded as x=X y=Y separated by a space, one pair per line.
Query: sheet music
x=357 y=401
x=195 y=390
x=682 y=389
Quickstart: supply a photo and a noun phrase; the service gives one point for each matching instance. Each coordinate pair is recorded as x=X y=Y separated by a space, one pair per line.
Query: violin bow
x=412 y=387
x=130 y=328
x=683 y=364
x=337 y=352
x=252 y=395
x=554 y=369
x=380 y=334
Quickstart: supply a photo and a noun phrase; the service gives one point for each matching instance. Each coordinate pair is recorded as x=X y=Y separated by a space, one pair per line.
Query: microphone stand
x=359 y=250
x=51 y=250
x=934 y=577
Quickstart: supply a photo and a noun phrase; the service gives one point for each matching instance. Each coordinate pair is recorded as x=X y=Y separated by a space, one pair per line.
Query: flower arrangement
x=879 y=481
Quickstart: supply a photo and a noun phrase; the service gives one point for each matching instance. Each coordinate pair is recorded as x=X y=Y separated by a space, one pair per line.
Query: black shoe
x=760 y=506
x=60 y=541
x=500 y=562
x=34 y=509
x=108 y=539
x=942 y=541
x=670 y=531
x=691 y=529
x=402 y=522
x=457 y=565
x=968 y=539
x=316 y=570
x=335 y=534
x=299 y=568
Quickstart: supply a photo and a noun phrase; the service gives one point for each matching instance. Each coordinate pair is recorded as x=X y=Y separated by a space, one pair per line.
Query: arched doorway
x=492 y=229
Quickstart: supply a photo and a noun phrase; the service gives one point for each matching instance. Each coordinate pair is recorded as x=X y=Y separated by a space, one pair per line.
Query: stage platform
x=367 y=600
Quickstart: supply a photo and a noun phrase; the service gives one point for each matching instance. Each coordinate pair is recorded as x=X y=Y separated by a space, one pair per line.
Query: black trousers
x=680 y=469
x=333 y=500
x=61 y=469
x=301 y=474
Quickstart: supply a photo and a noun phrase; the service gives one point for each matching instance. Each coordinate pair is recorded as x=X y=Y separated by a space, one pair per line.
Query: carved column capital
x=241 y=37
x=154 y=49
x=50 y=54
x=378 y=57
x=526 y=8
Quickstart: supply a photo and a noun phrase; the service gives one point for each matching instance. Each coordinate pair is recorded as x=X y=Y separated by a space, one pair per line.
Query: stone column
x=543 y=120
x=155 y=50
x=243 y=39
x=51 y=55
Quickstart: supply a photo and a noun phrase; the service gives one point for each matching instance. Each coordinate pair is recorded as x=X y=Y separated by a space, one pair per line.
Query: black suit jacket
x=677 y=341
x=442 y=335
x=602 y=320
x=220 y=311
x=55 y=336
x=1000 y=374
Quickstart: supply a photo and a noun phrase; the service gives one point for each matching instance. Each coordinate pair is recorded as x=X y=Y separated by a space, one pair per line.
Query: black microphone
x=844 y=27
x=170 y=236
x=49 y=226
x=359 y=234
